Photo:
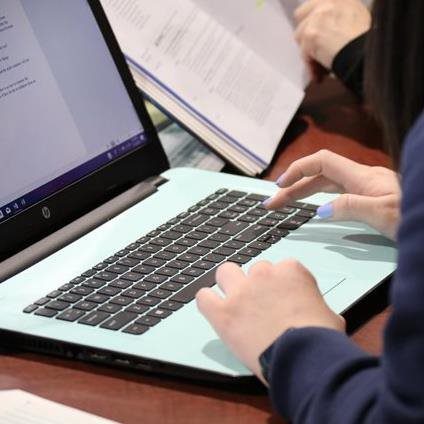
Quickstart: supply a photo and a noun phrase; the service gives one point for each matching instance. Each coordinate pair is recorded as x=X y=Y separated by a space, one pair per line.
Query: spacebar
x=188 y=293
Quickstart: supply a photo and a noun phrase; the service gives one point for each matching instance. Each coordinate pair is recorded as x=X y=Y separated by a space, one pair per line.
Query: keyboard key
x=155 y=279
x=133 y=276
x=259 y=245
x=171 y=286
x=176 y=248
x=159 y=313
x=209 y=211
x=250 y=219
x=199 y=250
x=251 y=233
x=236 y=193
x=206 y=265
x=153 y=233
x=234 y=244
x=268 y=222
x=188 y=293
x=85 y=305
x=77 y=280
x=97 y=298
x=104 y=275
x=178 y=264
x=88 y=273
x=160 y=294
x=142 y=269
x=130 y=262
x=228 y=199
x=111 y=259
x=43 y=312
x=117 y=269
x=94 y=283
x=120 y=284
x=110 y=308
x=218 y=205
x=292 y=223
x=248 y=251
x=109 y=291
x=257 y=197
x=301 y=205
x=228 y=215
x=66 y=287
x=258 y=212
x=171 y=235
x=239 y=259
x=193 y=272
x=121 y=300
x=145 y=285
x=154 y=262
x=149 y=321
x=183 y=279
x=83 y=291
x=137 y=309
x=232 y=228
x=239 y=209
x=306 y=214
x=160 y=241
x=196 y=235
x=171 y=305
x=54 y=294
x=122 y=253
x=94 y=318
x=195 y=220
x=247 y=202
x=187 y=242
x=188 y=257
x=42 y=301
x=217 y=222
x=119 y=320
x=136 y=329
x=276 y=232
x=100 y=266
x=133 y=293
x=57 y=305
x=69 y=297
x=143 y=240
x=149 y=248
x=133 y=246
x=208 y=229
x=286 y=210
x=166 y=256
x=277 y=215
x=30 y=308
x=213 y=257
x=183 y=229
x=167 y=271
x=70 y=315
x=209 y=244
x=221 y=191
x=225 y=251
x=140 y=256
x=148 y=301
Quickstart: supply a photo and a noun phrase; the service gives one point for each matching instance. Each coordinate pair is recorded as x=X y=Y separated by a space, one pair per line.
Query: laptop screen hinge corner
x=156 y=180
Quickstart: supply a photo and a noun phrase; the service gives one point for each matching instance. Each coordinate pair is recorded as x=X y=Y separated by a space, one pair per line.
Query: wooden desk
x=329 y=118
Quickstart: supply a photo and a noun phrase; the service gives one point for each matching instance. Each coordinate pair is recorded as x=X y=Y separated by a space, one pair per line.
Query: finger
x=304 y=10
x=211 y=306
x=351 y=207
x=303 y=188
x=336 y=168
x=228 y=276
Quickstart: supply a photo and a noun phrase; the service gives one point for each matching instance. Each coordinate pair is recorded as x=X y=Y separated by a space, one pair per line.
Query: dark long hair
x=394 y=76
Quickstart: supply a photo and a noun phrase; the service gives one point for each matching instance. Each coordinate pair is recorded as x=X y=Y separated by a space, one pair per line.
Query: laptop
x=102 y=247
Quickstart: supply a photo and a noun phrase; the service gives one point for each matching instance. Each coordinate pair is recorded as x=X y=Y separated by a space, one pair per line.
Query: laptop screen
x=64 y=109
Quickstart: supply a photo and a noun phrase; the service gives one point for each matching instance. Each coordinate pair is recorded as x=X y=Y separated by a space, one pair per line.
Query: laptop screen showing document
x=64 y=103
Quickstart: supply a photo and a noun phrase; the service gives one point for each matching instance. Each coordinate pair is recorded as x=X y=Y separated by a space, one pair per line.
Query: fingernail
x=326 y=211
x=266 y=202
x=280 y=180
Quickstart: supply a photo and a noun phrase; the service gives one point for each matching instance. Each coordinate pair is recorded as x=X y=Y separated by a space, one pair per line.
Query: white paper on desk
x=207 y=68
x=19 y=407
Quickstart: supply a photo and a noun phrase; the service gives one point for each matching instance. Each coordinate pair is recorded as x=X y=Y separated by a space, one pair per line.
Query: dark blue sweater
x=320 y=376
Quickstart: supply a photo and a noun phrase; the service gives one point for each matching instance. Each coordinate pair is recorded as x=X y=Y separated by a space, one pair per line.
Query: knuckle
x=261 y=269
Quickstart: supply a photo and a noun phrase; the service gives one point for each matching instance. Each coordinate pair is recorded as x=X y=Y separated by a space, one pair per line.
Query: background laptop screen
x=64 y=110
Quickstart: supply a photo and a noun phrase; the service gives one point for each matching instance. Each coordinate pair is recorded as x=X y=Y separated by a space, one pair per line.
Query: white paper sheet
x=19 y=407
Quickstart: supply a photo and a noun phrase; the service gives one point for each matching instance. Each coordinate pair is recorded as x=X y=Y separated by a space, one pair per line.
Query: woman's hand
x=326 y=26
x=371 y=194
x=262 y=305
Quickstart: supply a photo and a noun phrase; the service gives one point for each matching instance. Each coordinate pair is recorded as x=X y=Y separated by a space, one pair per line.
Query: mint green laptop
x=102 y=248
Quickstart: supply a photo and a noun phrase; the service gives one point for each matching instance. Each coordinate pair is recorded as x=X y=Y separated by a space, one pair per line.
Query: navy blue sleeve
x=319 y=376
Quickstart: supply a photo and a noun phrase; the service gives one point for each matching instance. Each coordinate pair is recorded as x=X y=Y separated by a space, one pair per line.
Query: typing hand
x=260 y=306
x=326 y=26
x=370 y=194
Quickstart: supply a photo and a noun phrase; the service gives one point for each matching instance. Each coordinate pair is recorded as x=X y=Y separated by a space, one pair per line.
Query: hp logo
x=46 y=212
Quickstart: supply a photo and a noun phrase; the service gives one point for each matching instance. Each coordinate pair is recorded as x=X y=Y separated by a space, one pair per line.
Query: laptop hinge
x=78 y=228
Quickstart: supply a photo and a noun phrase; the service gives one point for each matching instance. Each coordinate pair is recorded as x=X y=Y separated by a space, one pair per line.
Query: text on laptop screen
x=64 y=110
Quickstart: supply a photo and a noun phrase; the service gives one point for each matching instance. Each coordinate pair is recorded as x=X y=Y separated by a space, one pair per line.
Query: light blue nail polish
x=326 y=211
x=266 y=202
x=280 y=180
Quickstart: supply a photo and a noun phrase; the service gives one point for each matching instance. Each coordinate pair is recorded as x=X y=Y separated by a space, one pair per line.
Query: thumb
x=350 y=207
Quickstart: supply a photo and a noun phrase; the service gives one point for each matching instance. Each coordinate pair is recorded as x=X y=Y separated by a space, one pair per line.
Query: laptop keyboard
x=145 y=282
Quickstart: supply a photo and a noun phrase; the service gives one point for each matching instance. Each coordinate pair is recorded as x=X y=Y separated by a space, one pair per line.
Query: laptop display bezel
x=84 y=195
